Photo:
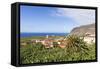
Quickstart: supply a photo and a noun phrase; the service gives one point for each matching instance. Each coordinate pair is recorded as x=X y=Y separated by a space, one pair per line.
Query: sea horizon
x=30 y=34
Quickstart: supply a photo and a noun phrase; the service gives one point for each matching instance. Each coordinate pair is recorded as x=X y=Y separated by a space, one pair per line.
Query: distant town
x=48 y=41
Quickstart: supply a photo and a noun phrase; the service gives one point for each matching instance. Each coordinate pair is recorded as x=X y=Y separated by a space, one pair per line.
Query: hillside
x=84 y=29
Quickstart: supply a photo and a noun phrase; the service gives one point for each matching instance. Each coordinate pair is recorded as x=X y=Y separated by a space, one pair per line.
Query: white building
x=89 y=38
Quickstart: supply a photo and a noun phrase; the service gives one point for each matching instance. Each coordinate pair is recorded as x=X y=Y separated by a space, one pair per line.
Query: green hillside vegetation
x=75 y=50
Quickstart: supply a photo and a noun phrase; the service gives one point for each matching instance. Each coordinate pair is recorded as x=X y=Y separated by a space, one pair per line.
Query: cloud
x=81 y=16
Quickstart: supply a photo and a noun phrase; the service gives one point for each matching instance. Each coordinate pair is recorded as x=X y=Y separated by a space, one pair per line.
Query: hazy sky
x=51 y=19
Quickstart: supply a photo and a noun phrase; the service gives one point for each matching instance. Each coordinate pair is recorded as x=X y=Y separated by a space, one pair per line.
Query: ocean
x=42 y=34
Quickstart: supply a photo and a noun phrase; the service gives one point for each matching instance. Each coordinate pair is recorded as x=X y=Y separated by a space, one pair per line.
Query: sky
x=53 y=19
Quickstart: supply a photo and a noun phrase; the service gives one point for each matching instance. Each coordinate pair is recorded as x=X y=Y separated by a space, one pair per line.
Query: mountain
x=90 y=29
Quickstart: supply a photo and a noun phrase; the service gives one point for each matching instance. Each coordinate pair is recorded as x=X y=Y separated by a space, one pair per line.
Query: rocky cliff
x=90 y=29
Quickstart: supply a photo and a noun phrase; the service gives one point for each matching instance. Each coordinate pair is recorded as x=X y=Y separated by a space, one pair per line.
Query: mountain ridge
x=90 y=28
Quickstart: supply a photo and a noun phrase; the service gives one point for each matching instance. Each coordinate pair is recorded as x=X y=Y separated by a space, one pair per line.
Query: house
x=23 y=43
x=33 y=41
x=38 y=41
x=62 y=43
x=89 y=38
x=48 y=43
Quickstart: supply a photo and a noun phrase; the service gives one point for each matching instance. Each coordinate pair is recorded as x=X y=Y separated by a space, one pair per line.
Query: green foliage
x=75 y=50
x=76 y=46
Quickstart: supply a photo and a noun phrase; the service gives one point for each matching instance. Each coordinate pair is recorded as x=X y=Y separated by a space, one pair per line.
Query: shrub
x=75 y=50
